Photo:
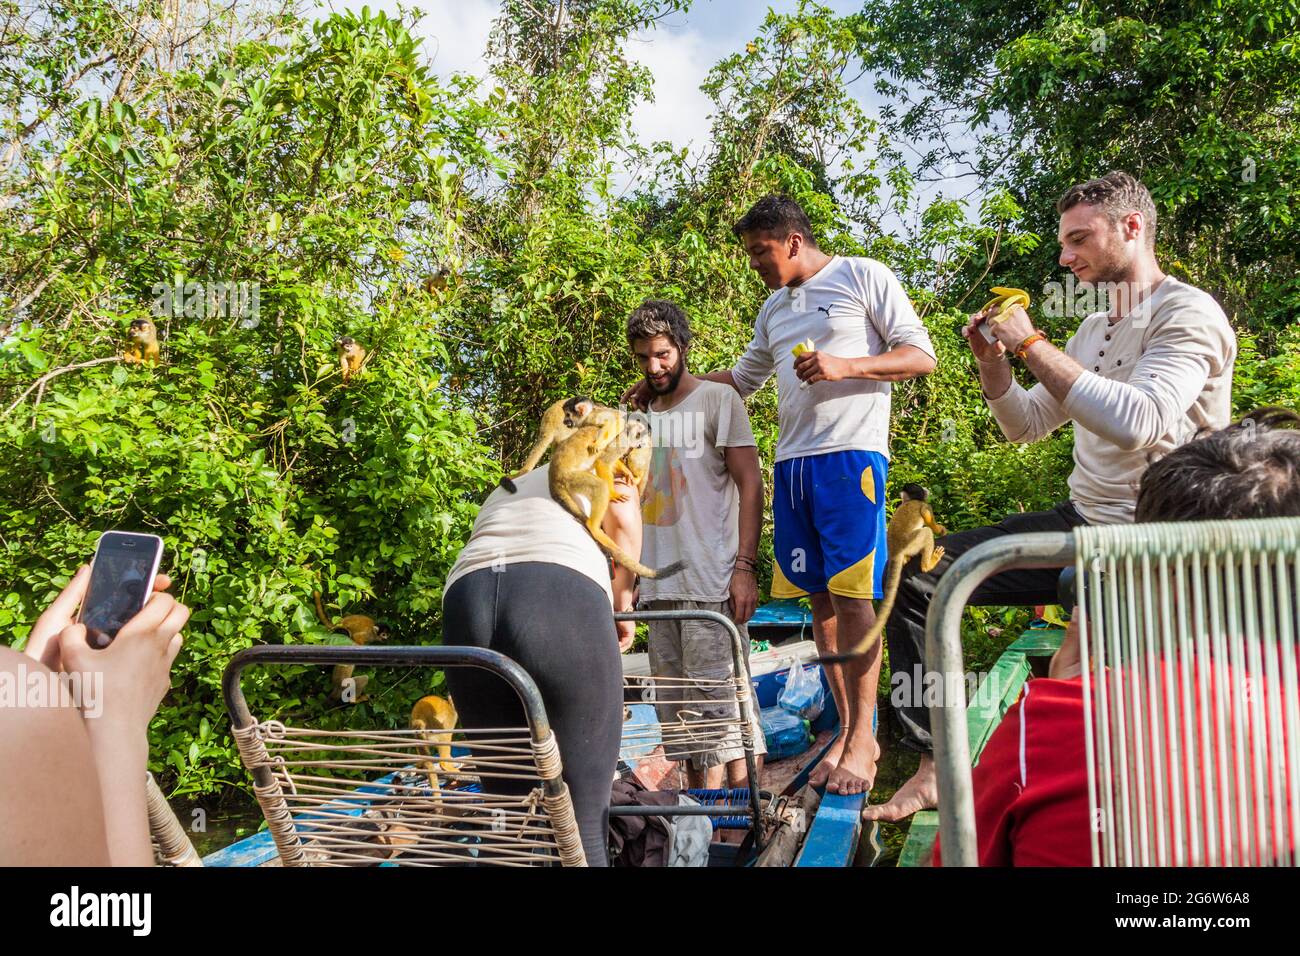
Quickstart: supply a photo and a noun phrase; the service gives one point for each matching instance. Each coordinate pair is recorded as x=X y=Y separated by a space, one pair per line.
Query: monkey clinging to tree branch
x=351 y=357
x=141 y=343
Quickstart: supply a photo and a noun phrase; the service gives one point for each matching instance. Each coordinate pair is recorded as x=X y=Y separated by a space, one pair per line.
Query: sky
x=679 y=51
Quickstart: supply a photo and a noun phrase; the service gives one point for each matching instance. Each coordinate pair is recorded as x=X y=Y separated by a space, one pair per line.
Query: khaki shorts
x=701 y=651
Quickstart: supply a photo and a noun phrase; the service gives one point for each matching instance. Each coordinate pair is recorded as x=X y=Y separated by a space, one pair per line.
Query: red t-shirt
x=1031 y=782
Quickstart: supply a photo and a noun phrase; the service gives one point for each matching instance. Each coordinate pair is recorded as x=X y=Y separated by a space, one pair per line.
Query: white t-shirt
x=853 y=307
x=530 y=526
x=691 y=507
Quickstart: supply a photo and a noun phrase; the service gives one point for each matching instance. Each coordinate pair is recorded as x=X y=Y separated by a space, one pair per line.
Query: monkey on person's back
x=911 y=532
x=579 y=467
x=558 y=423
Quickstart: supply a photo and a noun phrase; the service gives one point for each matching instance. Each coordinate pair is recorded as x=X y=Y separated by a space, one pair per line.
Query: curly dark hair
x=1119 y=194
x=659 y=317
x=778 y=215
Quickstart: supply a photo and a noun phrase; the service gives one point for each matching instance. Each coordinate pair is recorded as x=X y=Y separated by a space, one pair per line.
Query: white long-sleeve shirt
x=1151 y=382
x=852 y=308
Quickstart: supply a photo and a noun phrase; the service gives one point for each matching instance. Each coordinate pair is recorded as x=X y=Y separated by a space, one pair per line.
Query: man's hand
x=743 y=595
x=818 y=366
x=638 y=396
x=1014 y=329
x=984 y=350
x=626 y=635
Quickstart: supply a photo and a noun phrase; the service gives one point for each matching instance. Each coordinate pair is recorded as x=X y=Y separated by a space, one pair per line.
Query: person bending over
x=532 y=584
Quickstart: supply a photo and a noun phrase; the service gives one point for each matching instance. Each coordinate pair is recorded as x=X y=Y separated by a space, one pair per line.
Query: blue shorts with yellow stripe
x=828 y=513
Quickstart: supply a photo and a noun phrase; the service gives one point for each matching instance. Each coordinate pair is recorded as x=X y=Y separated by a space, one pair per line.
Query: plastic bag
x=803 y=693
x=785 y=733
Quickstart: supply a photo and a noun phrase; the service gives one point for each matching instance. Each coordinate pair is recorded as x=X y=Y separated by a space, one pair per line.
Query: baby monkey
x=629 y=454
x=911 y=532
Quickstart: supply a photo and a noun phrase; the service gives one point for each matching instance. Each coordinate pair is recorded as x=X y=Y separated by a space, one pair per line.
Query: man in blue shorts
x=833 y=453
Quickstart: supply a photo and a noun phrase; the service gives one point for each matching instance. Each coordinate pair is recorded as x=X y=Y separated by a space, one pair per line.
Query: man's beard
x=674 y=376
x=1112 y=269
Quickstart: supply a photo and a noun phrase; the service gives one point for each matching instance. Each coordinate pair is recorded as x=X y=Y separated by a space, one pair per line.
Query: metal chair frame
x=289 y=845
x=944 y=651
x=748 y=720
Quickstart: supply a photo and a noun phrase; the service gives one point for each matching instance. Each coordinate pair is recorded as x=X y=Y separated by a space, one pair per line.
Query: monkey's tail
x=636 y=567
x=882 y=617
x=320 y=612
x=508 y=484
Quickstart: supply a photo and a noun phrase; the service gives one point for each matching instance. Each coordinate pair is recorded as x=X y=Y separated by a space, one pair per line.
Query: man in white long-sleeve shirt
x=1137 y=382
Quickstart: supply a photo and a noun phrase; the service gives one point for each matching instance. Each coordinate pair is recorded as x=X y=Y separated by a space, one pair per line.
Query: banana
x=805 y=346
x=1004 y=299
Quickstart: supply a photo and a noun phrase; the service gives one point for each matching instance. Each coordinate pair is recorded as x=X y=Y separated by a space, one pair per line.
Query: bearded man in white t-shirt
x=703 y=505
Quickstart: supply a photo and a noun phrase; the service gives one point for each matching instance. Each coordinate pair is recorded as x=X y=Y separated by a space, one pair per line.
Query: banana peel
x=1004 y=298
x=805 y=346
x=1055 y=614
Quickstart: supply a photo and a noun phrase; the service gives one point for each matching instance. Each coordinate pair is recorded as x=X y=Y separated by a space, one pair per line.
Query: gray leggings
x=558 y=625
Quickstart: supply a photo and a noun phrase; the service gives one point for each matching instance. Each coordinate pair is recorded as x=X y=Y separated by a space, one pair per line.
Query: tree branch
x=40 y=382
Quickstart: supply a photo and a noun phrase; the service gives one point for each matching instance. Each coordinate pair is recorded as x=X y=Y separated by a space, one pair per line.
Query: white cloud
x=680 y=60
x=454 y=32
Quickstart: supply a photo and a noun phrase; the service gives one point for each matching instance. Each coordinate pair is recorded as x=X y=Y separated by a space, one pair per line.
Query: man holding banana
x=858 y=333
x=1137 y=380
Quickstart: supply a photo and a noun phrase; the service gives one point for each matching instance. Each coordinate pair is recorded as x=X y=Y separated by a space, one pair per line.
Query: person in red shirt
x=1031 y=782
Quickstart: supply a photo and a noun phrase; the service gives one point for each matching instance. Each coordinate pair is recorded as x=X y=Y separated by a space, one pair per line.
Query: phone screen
x=121 y=579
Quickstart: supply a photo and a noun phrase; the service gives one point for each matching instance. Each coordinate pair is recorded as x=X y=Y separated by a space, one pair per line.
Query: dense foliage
x=167 y=171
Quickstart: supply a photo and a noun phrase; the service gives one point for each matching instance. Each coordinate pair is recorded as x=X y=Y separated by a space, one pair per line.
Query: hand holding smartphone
x=121 y=580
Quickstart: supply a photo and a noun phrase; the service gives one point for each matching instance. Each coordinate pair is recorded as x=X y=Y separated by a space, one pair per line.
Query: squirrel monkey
x=437 y=281
x=142 y=343
x=629 y=454
x=351 y=357
x=577 y=467
x=558 y=423
x=911 y=532
x=361 y=630
x=434 y=713
x=640 y=448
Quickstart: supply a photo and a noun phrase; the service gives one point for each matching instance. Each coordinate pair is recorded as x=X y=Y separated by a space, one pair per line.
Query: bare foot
x=856 y=771
x=921 y=792
x=822 y=772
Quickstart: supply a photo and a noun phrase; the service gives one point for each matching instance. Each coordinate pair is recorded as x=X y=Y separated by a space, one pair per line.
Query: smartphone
x=121 y=580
